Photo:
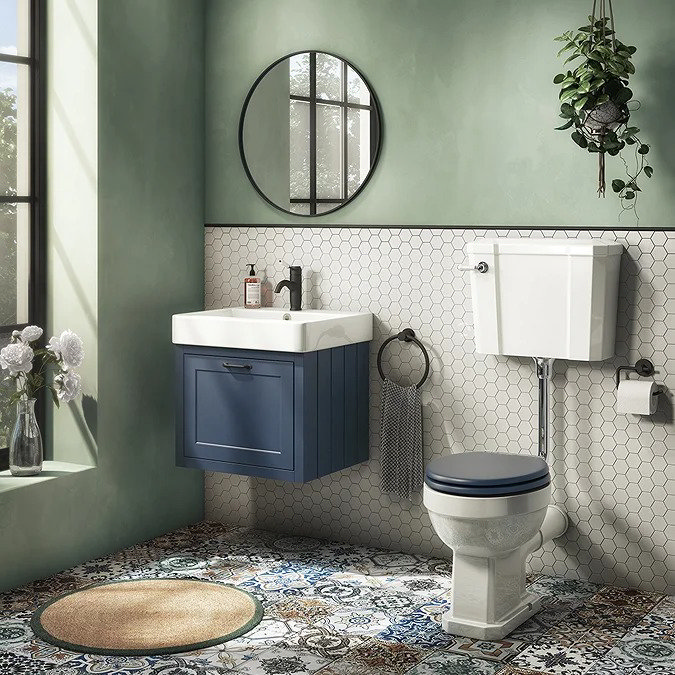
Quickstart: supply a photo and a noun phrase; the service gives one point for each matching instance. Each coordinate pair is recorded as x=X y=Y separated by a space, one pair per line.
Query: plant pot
x=25 y=446
x=609 y=115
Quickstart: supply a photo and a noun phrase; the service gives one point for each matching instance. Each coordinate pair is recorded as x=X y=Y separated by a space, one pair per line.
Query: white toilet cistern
x=546 y=299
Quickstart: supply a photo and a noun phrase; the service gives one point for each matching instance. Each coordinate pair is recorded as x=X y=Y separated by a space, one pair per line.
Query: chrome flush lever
x=481 y=267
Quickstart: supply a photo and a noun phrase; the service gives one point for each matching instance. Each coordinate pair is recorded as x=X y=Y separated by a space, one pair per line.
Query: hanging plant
x=595 y=96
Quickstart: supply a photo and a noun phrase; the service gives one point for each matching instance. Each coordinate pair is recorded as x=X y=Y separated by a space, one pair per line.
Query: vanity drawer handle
x=246 y=366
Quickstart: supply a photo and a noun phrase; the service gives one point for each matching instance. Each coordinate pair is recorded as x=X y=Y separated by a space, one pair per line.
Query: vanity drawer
x=281 y=415
x=239 y=410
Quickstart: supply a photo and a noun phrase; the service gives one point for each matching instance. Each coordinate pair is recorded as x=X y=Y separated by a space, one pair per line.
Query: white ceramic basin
x=272 y=329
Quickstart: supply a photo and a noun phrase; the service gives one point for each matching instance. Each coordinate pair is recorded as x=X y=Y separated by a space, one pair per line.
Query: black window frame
x=345 y=105
x=38 y=171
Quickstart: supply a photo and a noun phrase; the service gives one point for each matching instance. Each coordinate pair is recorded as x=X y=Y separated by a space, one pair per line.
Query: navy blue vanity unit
x=284 y=415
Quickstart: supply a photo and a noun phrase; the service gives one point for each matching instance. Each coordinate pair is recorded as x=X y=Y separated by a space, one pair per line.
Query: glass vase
x=25 y=446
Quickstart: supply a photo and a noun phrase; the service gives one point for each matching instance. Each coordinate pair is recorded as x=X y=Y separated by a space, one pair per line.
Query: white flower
x=69 y=348
x=68 y=386
x=54 y=346
x=31 y=333
x=17 y=358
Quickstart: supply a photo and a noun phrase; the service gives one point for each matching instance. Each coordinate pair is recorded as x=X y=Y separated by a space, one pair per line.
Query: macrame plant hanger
x=604 y=6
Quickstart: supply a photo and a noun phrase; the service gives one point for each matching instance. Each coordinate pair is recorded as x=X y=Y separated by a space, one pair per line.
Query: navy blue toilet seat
x=487 y=474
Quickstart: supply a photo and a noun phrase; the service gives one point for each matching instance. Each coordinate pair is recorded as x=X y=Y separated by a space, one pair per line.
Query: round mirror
x=310 y=133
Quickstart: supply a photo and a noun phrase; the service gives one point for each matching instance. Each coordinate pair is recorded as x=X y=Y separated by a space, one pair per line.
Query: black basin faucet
x=294 y=285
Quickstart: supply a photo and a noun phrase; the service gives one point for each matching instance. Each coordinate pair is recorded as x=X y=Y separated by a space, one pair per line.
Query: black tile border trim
x=533 y=228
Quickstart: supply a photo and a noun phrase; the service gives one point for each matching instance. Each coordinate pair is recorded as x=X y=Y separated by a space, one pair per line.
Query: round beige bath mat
x=146 y=617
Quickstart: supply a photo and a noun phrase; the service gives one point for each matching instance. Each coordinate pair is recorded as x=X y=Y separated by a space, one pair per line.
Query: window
x=333 y=128
x=21 y=178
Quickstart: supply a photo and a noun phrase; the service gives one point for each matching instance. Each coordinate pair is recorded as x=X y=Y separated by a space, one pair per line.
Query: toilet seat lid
x=487 y=474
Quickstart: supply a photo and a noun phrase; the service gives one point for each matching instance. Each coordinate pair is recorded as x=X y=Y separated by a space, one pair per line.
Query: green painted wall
x=150 y=265
x=151 y=204
x=468 y=103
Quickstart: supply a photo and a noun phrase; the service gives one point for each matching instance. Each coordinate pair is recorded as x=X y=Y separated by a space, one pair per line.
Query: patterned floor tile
x=667 y=605
x=655 y=627
x=511 y=670
x=421 y=586
x=626 y=597
x=269 y=632
x=14 y=630
x=645 y=650
x=337 y=609
x=226 y=656
x=303 y=609
x=563 y=589
x=16 y=664
x=549 y=616
x=577 y=633
x=324 y=642
x=654 y=669
x=377 y=658
x=283 y=662
x=442 y=663
x=42 y=652
x=417 y=630
x=608 y=616
x=355 y=621
x=178 y=665
x=613 y=663
x=108 y=665
x=492 y=650
x=553 y=658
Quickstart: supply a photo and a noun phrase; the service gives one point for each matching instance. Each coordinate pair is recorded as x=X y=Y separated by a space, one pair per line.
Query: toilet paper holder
x=643 y=367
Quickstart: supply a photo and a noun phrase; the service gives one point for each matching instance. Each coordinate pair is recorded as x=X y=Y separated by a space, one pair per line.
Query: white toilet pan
x=491 y=538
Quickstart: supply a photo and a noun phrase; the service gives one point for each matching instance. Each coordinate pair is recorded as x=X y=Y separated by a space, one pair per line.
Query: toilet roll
x=638 y=397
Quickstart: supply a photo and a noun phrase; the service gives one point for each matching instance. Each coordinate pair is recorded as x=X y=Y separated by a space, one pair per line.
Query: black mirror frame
x=376 y=106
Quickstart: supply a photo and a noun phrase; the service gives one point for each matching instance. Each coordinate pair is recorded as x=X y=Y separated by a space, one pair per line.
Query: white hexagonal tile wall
x=615 y=474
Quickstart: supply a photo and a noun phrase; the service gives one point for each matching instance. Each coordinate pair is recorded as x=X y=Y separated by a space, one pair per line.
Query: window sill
x=50 y=471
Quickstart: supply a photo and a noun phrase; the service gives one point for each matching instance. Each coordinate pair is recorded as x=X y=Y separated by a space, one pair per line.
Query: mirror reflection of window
x=309 y=133
x=330 y=132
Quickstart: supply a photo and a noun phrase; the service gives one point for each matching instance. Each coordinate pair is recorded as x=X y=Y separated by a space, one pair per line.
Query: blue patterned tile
x=417 y=629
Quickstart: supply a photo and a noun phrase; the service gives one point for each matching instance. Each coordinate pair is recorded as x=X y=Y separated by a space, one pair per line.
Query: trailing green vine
x=594 y=100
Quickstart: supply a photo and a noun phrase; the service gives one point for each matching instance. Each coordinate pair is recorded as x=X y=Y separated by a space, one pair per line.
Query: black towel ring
x=406 y=335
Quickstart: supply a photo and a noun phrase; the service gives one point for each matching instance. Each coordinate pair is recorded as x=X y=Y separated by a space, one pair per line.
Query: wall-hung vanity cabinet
x=288 y=415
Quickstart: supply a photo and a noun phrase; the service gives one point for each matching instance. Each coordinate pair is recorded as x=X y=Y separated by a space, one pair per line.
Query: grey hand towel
x=401 y=440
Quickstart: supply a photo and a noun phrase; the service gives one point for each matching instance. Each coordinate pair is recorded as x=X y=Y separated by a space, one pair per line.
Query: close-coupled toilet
x=547 y=299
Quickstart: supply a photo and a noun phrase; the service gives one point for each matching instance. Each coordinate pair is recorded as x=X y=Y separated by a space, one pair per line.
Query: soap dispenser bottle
x=252 y=294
